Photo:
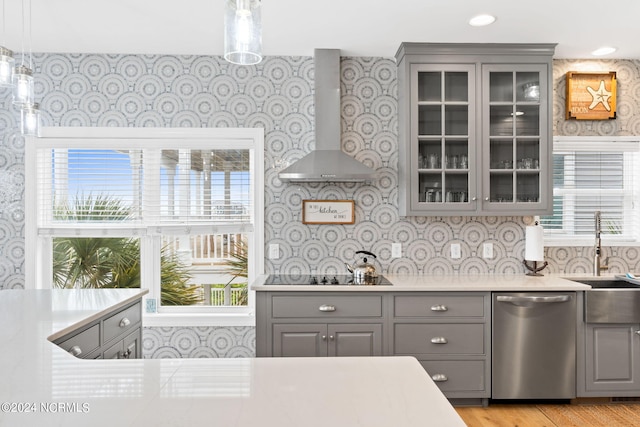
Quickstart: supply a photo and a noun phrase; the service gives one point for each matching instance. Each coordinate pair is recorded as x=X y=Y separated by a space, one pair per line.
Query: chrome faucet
x=598 y=247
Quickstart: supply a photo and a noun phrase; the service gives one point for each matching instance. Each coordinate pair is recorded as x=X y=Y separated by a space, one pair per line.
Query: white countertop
x=469 y=283
x=42 y=385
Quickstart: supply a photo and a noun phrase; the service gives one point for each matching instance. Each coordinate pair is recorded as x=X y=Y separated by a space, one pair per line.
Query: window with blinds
x=145 y=188
x=170 y=210
x=594 y=174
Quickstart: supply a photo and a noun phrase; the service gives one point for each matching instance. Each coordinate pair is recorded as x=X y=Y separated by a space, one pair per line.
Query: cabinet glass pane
x=430 y=86
x=527 y=120
x=429 y=154
x=456 y=120
x=528 y=187
x=501 y=120
x=527 y=87
x=456 y=153
x=456 y=189
x=501 y=187
x=501 y=87
x=430 y=187
x=429 y=120
x=527 y=154
x=501 y=154
x=456 y=87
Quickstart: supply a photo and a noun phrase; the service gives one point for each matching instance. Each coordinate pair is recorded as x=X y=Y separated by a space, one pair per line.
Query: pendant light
x=243 y=31
x=30 y=120
x=22 y=75
x=6 y=56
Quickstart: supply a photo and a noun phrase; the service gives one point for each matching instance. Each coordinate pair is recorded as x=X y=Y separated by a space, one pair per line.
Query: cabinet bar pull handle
x=327 y=308
x=439 y=340
x=439 y=307
x=75 y=351
x=439 y=377
x=125 y=322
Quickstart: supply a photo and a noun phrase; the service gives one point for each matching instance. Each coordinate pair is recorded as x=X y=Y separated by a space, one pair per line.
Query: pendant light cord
x=30 y=39
x=22 y=41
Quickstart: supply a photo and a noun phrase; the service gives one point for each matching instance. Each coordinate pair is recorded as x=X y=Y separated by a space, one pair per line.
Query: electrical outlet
x=396 y=250
x=455 y=251
x=487 y=250
x=151 y=306
x=274 y=251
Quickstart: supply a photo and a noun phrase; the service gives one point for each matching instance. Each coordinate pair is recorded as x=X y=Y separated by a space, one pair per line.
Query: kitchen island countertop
x=44 y=385
x=453 y=282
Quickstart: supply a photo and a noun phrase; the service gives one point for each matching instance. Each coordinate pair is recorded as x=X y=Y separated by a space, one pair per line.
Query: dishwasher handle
x=536 y=299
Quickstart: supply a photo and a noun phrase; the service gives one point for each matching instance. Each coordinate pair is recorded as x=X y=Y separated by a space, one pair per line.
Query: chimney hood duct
x=327 y=163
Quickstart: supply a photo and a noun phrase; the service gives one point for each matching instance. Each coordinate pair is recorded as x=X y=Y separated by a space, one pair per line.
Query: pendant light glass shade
x=30 y=120
x=7 y=62
x=23 y=86
x=243 y=31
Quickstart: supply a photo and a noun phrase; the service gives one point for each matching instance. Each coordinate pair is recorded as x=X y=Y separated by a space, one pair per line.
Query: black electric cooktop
x=321 y=280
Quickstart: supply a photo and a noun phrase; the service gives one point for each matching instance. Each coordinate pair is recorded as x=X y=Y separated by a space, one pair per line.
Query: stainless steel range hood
x=327 y=163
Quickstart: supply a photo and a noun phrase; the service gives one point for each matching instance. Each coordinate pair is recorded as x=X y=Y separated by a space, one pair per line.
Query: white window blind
x=594 y=174
x=152 y=188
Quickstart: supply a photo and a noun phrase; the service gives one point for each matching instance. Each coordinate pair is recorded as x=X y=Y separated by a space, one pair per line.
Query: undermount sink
x=608 y=283
x=612 y=300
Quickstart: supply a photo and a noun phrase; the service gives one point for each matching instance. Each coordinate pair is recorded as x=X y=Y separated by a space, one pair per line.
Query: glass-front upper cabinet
x=443 y=148
x=516 y=158
x=474 y=129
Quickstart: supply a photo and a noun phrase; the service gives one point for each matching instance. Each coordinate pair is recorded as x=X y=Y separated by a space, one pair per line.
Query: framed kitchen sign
x=328 y=212
x=591 y=96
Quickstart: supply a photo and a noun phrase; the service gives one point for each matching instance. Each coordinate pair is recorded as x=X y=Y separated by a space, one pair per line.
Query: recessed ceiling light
x=482 y=20
x=605 y=50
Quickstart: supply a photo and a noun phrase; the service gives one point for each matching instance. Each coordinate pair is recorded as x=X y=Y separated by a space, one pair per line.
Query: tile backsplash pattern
x=277 y=95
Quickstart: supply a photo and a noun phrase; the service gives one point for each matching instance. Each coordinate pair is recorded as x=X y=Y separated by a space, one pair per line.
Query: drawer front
x=326 y=306
x=438 y=306
x=456 y=375
x=123 y=321
x=436 y=338
x=85 y=342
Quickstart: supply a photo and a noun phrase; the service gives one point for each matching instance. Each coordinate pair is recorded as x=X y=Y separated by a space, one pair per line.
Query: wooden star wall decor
x=591 y=96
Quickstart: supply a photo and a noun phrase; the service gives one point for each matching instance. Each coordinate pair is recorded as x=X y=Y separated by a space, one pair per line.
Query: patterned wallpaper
x=277 y=95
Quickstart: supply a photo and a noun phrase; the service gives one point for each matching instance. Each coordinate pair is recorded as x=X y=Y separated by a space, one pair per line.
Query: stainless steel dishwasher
x=533 y=345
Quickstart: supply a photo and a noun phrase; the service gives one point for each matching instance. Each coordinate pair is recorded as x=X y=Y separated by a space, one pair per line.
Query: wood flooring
x=545 y=415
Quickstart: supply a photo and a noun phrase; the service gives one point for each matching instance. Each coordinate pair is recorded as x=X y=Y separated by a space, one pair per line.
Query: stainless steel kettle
x=364 y=273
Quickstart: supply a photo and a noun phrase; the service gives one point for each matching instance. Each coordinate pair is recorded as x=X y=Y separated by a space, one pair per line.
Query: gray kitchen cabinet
x=115 y=335
x=475 y=133
x=299 y=324
x=318 y=340
x=612 y=363
x=449 y=334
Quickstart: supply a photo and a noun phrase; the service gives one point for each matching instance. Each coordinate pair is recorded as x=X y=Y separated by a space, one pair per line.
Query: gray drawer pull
x=637 y=332
x=327 y=308
x=439 y=340
x=324 y=338
x=75 y=351
x=439 y=307
x=125 y=322
x=439 y=377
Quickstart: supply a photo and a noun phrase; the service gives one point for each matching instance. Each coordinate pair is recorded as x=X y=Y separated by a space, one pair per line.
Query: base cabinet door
x=306 y=340
x=320 y=340
x=355 y=340
x=613 y=358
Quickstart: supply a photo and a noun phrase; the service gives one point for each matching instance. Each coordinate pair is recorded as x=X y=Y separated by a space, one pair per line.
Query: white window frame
x=594 y=143
x=38 y=275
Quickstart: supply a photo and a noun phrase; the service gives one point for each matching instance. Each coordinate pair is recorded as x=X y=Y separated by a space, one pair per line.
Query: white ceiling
x=296 y=27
